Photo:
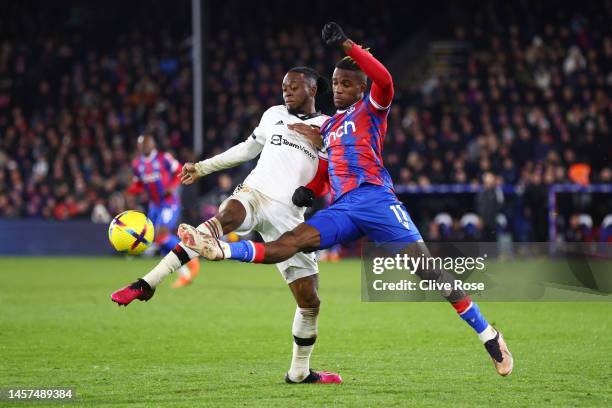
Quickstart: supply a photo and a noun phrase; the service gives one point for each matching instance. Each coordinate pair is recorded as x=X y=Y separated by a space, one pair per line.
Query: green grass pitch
x=226 y=341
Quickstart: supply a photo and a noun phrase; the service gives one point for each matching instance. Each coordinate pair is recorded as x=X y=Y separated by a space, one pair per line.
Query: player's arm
x=319 y=186
x=309 y=132
x=242 y=152
x=175 y=170
x=382 y=91
x=137 y=185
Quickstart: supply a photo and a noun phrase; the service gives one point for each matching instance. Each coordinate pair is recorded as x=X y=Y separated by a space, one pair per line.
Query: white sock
x=166 y=266
x=487 y=334
x=305 y=331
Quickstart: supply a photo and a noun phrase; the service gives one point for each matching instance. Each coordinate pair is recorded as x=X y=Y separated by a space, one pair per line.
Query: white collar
x=344 y=110
x=151 y=155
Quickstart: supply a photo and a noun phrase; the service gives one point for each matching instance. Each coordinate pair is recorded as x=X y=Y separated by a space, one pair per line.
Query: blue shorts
x=369 y=210
x=164 y=215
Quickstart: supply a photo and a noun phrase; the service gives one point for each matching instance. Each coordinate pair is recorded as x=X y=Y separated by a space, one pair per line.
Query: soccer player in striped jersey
x=158 y=175
x=364 y=202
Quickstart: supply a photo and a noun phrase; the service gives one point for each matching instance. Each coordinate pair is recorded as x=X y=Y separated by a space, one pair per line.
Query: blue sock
x=169 y=244
x=474 y=318
x=243 y=251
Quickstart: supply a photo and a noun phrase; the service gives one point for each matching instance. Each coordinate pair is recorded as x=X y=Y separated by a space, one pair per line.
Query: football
x=131 y=232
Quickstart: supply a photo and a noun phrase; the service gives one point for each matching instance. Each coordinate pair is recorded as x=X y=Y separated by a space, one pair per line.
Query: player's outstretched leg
x=210 y=247
x=167 y=241
x=302 y=238
x=228 y=219
x=491 y=338
x=305 y=332
x=144 y=288
x=470 y=312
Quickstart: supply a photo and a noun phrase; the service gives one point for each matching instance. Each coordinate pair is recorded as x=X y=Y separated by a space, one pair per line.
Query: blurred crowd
x=72 y=104
x=528 y=103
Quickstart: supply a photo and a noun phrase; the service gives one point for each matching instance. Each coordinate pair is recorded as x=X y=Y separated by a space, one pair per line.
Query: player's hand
x=303 y=197
x=311 y=133
x=333 y=35
x=189 y=174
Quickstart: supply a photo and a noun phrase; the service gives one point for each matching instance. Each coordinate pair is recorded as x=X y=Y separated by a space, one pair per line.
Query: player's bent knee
x=231 y=214
x=311 y=302
x=305 y=288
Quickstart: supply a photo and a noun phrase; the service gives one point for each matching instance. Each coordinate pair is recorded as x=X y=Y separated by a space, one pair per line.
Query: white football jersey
x=288 y=160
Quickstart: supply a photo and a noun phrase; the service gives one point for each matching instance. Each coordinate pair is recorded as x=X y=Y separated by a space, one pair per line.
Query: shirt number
x=401 y=215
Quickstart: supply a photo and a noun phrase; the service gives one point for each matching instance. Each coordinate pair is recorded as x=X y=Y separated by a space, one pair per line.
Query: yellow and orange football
x=131 y=232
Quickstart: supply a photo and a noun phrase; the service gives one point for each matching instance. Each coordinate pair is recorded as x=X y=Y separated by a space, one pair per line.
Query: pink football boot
x=138 y=290
x=321 y=377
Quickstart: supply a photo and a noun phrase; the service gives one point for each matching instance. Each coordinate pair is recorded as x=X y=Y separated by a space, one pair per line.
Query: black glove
x=333 y=35
x=303 y=197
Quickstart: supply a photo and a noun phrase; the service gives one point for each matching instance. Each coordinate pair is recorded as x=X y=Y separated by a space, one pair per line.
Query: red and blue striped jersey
x=354 y=140
x=155 y=174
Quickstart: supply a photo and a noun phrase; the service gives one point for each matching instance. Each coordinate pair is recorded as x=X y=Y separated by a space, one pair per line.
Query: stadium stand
x=526 y=96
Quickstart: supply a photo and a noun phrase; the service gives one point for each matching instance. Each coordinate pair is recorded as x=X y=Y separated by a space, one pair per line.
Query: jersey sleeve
x=135 y=170
x=260 y=132
x=232 y=157
x=171 y=163
x=137 y=186
x=320 y=182
x=381 y=93
x=174 y=169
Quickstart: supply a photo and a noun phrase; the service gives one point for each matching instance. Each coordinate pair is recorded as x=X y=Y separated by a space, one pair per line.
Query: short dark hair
x=322 y=82
x=350 y=65
x=149 y=131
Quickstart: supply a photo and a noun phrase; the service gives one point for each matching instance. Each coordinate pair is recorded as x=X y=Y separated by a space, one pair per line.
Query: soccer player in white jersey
x=263 y=203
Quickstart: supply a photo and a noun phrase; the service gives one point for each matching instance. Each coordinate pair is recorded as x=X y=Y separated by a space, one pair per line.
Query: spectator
x=489 y=202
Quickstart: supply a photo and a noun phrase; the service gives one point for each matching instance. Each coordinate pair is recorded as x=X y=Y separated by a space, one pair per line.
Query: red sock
x=260 y=252
x=462 y=305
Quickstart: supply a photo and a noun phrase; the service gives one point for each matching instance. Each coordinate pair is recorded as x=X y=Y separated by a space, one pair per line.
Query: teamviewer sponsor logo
x=300 y=147
x=276 y=140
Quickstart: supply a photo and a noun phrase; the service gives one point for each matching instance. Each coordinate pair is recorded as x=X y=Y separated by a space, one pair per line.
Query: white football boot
x=208 y=246
x=500 y=355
